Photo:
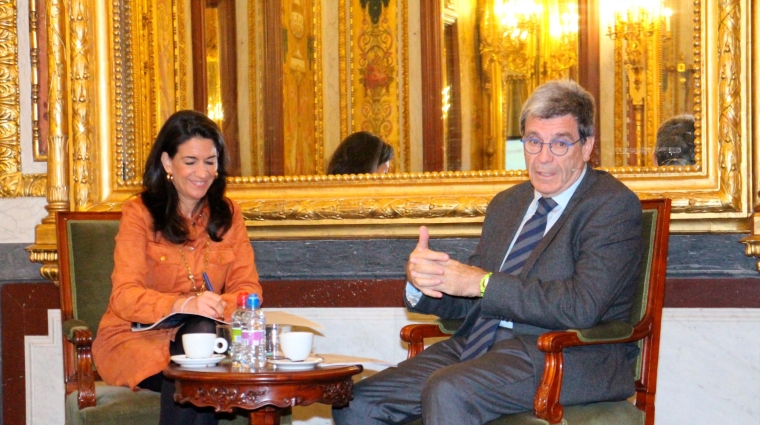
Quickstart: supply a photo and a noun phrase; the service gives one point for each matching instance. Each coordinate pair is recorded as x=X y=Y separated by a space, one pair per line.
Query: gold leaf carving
x=80 y=99
x=343 y=67
x=364 y=209
x=405 y=127
x=15 y=185
x=10 y=145
x=729 y=137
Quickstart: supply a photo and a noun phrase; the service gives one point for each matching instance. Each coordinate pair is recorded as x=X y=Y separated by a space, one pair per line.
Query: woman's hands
x=207 y=304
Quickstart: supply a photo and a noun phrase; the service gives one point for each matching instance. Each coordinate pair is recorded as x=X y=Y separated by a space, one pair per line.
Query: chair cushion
x=91 y=247
x=604 y=413
x=115 y=406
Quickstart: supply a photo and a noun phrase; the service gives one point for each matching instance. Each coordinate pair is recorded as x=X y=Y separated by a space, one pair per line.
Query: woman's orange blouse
x=149 y=276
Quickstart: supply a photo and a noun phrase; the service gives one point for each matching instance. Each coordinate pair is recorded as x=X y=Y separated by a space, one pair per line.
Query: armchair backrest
x=650 y=294
x=85 y=263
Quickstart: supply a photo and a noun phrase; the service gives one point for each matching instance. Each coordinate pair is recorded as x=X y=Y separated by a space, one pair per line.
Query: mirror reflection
x=361 y=153
x=648 y=73
x=267 y=71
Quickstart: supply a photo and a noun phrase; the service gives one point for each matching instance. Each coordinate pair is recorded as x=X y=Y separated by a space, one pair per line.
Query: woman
x=180 y=226
x=361 y=153
x=675 y=141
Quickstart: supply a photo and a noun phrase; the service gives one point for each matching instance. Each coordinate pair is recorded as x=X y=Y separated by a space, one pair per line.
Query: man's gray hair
x=559 y=98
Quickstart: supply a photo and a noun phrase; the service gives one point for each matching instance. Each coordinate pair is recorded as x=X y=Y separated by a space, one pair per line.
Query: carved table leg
x=268 y=415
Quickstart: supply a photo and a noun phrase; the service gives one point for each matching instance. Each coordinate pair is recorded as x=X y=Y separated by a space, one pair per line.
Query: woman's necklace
x=190 y=274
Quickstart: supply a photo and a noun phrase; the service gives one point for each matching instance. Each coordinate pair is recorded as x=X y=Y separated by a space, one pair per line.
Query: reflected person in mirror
x=675 y=141
x=558 y=252
x=361 y=153
x=180 y=227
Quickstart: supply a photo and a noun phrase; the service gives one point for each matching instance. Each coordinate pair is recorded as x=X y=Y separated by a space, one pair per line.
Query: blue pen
x=207 y=282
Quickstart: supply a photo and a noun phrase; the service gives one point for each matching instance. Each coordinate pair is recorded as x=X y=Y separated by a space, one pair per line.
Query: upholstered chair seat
x=115 y=406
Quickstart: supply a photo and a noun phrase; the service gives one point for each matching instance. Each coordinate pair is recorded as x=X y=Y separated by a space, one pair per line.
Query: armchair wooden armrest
x=546 y=404
x=415 y=335
x=78 y=333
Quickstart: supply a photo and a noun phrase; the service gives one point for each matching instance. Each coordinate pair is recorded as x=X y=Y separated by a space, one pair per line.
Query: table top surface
x=224 y=372
x=263 y=393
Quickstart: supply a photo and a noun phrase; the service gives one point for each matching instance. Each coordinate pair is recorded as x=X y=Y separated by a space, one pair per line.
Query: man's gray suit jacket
x=583 y=272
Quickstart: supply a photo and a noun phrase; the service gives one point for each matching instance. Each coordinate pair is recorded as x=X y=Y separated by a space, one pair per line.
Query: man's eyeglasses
x=558 y=147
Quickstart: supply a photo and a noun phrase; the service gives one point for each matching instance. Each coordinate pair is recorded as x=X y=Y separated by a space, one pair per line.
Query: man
x=561 y=251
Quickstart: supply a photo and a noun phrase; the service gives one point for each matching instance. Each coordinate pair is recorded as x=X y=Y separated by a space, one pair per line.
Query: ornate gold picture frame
x=123 y=109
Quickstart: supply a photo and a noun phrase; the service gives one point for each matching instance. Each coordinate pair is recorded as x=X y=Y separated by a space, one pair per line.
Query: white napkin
x=343 y=360
x=283 y=318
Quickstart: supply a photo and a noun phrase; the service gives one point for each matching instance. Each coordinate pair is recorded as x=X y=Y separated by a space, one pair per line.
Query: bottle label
x=247 y=337
x=259 y=337
x=237 y=335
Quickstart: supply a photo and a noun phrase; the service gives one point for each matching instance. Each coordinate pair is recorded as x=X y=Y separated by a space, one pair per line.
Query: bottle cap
x=241 y=297
x=253 y=301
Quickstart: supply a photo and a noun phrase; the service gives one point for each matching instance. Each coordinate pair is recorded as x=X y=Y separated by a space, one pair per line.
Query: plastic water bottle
x=247 y=334
x=237 y=349
x=257 y=323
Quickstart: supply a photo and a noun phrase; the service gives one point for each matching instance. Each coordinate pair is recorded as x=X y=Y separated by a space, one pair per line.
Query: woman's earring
x=169 y=177
x=216 y=175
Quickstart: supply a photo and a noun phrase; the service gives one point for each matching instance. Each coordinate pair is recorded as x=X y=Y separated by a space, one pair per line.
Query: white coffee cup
x=202 y=346
x=296 y=345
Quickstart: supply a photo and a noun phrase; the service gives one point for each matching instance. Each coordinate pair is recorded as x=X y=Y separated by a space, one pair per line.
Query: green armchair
x=644 y=328
x=85 y=262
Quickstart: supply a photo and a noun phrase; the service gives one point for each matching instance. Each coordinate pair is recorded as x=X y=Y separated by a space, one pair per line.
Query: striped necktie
x=483 y=332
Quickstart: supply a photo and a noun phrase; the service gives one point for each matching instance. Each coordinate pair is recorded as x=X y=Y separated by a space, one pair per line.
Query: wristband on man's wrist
x=484 y=283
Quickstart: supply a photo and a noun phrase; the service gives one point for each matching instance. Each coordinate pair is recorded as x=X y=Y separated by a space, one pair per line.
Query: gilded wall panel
x=377 y=33
x=166 y=46
x=298 y=24
x=12 y=182
x=80 y=32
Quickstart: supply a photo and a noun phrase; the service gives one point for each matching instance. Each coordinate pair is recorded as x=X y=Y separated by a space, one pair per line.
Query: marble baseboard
x=44 y=377
x=25 y=313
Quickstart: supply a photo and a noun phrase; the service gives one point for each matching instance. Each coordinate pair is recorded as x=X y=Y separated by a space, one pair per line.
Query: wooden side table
x=264 y=394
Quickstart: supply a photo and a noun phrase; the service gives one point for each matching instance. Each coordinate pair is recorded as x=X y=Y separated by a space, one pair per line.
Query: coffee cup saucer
x=184 y=361
x=287 y=364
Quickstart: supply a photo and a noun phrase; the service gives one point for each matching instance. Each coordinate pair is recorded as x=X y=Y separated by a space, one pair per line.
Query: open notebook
x=272 y=317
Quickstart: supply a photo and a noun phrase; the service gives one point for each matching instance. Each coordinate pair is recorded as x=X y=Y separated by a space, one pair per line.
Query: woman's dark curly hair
x=159 y=194
x=360 y=153
x=675 y=141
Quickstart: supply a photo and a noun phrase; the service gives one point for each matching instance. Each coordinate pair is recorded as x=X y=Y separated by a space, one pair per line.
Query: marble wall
x=709 y=370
